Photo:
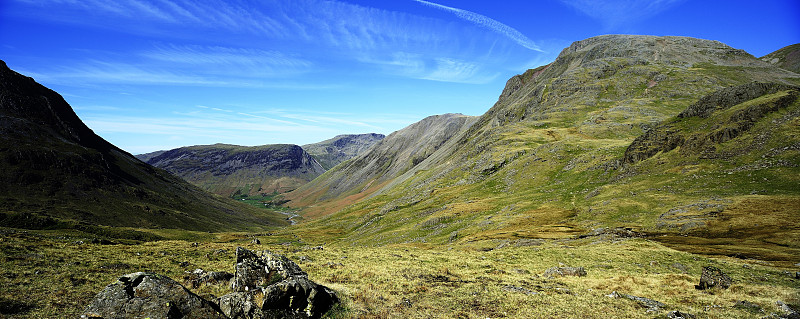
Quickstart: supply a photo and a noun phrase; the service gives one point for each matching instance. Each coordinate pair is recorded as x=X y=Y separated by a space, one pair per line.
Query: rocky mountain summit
x=333 y=151
x=230 y=169
x=267 y=286
x=55 y=169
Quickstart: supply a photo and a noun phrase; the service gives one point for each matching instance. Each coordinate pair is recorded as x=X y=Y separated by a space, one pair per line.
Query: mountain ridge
x=340 y=148
x=229 y=170
x=56 y=168
x=545 y=159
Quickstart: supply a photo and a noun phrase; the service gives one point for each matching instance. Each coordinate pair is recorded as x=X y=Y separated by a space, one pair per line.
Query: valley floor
x=53 y=274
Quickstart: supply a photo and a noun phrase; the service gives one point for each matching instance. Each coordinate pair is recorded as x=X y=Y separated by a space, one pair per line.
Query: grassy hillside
x=52 y=274
x=368 y=172
x=56 y=172
x=547 y=160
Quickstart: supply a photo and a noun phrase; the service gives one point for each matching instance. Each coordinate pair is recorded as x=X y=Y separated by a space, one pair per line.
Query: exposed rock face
x=273 y=285
x=333 y=151
x=227 y=169
x=147 y=295
x=52 y=163
x=671 y=135
x=787 y=58
x=714 y=277
x=268 y=286
x=200 y=277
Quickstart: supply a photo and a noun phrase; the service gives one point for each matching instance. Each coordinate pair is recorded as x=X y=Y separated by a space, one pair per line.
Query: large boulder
x=713 y=277
x=270 y=286
x=147 y=295
x=266 y=286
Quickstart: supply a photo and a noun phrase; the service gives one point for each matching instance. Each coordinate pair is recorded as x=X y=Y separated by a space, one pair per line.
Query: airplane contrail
x=489 y=23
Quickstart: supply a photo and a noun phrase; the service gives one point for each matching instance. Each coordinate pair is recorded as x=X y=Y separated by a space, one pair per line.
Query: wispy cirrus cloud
x=617 y=13
x=489 y=23
x=229 y=61
x=325 y=32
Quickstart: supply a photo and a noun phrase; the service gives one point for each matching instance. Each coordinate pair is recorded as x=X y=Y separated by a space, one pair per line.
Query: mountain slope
x=230 y=169
x=333 y=151
x=547 y=159
x=787 y=58
x=53 y=166
x=389 y=158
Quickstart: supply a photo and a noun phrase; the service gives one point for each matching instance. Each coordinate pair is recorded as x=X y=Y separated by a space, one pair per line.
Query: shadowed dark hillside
x=55 y=168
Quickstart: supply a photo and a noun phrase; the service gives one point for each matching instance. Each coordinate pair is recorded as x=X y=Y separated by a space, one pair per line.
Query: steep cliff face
x=545 y=160
x=333 y=151
x=231 y=169
x=54 y=166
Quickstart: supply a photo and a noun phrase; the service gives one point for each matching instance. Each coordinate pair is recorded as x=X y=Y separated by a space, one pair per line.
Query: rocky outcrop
x=702 y=137
x=650 y=304
x=227 y=169
x=266 y=286
x=147 y=295
x=273 y=286
x=333 y=151
x=713 y=277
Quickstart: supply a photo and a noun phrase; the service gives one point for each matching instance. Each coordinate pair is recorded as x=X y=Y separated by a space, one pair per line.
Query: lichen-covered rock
x=276 y=287
x=650 y=304
x=267 y=286
x=147 y=295
x=713 y=277
x=200 y=277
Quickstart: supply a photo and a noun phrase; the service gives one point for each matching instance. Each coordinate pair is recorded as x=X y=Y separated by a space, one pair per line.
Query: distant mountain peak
x=343 y=147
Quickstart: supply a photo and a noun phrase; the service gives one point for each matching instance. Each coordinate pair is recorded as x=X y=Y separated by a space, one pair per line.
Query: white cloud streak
x=325 y=32
x=618 y=13
x=489 y=23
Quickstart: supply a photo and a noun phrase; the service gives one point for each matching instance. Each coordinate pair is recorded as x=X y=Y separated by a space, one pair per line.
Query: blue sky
x=158 y=74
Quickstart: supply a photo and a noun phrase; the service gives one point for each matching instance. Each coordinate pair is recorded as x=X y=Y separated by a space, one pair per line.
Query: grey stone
x=713 y=277
x=675 y=314
x=267 y=286
x=565 y=271
x=147 y=295
x=200 y=277
x=275 y=285
x=650 y=304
